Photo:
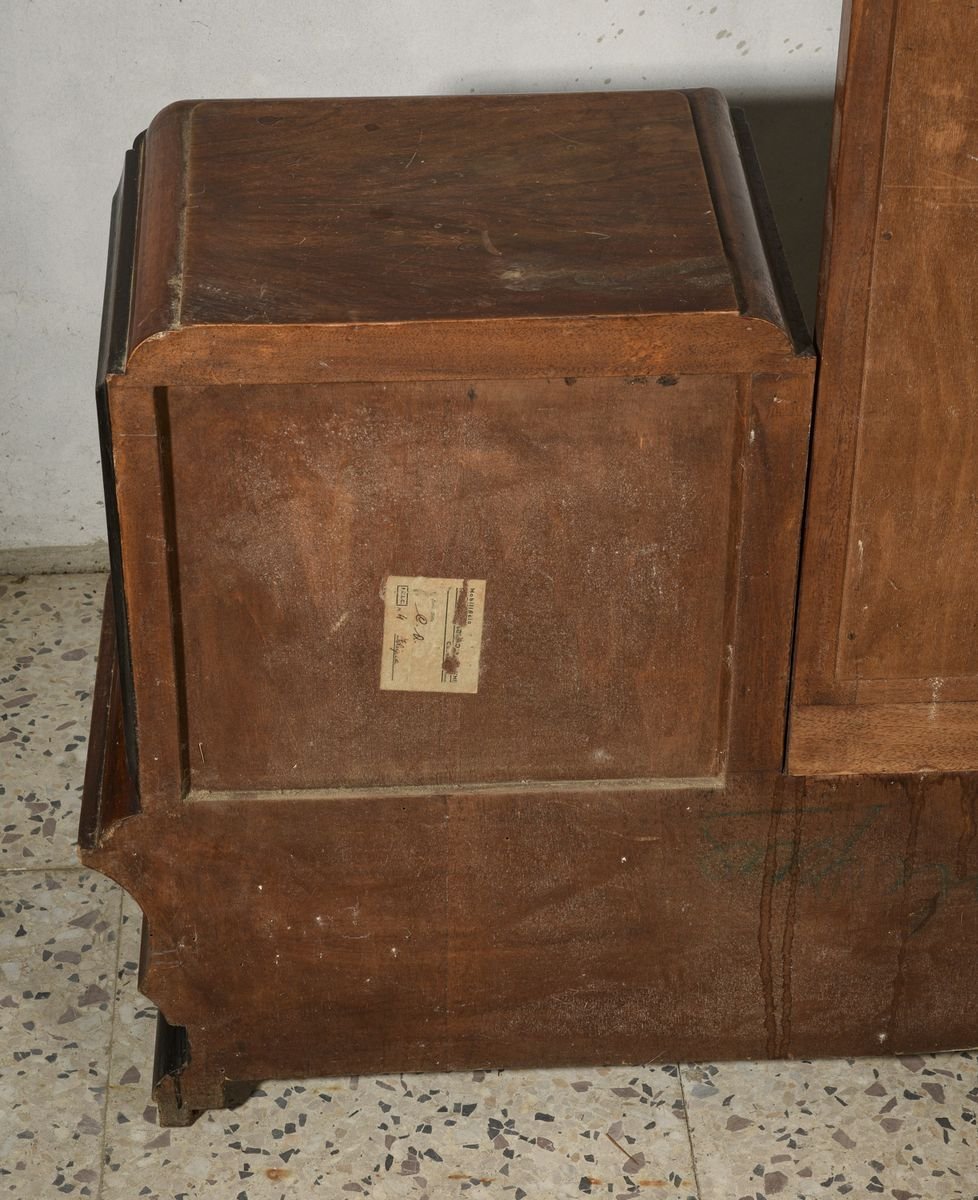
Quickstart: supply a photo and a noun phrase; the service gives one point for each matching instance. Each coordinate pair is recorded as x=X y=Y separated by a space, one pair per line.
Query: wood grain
x=597 y=511
x=159 y=244
x=441 y=208
x=889 y=594
x=770 y=917
x=832 y=739
x=596 y=469
x=775 y=455
x=147 y=550
x=640 y=539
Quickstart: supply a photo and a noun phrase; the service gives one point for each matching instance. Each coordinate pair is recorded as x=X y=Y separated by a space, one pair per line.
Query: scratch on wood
x=569 y=141
x=415 y=154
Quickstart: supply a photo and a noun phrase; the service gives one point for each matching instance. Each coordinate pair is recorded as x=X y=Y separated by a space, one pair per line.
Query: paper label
x=432 y=634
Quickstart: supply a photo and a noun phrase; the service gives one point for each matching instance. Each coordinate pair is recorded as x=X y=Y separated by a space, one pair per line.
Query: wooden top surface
x=386 y=212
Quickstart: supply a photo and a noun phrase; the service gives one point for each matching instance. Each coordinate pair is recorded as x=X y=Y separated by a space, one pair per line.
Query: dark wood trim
x=95 y=787
x=770 y=238
x=113 y=352
x=735 y=197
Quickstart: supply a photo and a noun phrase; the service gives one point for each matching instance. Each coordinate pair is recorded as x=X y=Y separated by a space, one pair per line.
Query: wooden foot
x=182 y=1092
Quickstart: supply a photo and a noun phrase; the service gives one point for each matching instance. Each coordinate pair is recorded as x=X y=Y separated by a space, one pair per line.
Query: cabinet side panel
x=911 y=582
x=889 y=589
x=841 y=333
x=598 y=513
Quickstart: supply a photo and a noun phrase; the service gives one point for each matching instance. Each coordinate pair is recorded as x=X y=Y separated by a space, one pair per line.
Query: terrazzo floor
x=76 y=1043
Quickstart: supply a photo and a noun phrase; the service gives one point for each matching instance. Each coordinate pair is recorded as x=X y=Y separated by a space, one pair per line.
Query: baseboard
x=54 y=560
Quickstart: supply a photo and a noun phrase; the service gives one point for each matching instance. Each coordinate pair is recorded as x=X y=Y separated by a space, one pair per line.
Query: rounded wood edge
x=158 y=256
x=754 y=260
x=615 y=346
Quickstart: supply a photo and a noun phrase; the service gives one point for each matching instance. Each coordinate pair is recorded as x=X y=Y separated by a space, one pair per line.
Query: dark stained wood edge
x=735 y=204
x=145 y=538
x=113 y=350
x=862 y=739
x=116 y=579
x=794 y=317
x=171 y=1056
x=100 y=726
x=848 y=253
x=117 y=296
x=158 y=280
x=108 y=794
x=172 y=1059
x=164 y=442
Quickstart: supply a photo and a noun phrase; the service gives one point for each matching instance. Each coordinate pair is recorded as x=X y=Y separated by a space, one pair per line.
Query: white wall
x=80 y=78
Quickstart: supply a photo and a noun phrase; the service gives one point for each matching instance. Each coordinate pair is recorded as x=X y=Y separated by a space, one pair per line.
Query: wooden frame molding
x=886 y=658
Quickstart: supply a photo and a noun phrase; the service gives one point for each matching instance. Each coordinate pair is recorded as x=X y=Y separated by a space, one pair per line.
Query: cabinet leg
x=182 y=1087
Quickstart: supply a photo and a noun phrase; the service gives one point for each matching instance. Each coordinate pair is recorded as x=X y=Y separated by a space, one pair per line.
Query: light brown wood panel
x=775 y=454
x=833 y=739
x=889 y=599
x=604 y=516
x=627 y=344
x=912 y=560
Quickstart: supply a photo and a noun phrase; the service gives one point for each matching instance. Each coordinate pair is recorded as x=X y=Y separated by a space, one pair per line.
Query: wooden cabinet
x=532 y=343
x=455 y=460
x=886 y=674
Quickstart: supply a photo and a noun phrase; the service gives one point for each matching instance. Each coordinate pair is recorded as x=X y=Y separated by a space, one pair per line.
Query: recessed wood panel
x=889 y=607
x=912 y=586
x=599 y=513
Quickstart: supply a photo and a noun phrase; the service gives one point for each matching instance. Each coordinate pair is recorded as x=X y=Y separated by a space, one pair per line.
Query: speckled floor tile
x=58 y=947
x=49 y=631
x=899 y=1128
x=535 y=1134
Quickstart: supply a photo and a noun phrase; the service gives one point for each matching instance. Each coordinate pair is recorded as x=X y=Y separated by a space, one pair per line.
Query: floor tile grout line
x=689 y=1132
x=78 y=868
x=103 y=1139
